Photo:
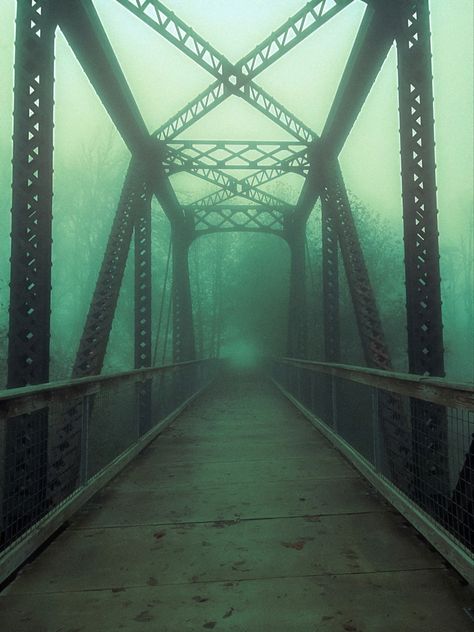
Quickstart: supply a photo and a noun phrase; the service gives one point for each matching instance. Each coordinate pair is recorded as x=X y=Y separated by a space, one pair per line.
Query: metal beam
x=290 y=156
x=143 y=312
x=391 y=412
x=234 y=186
x=237 y=217
x=371 y=46
x=308 y=19
x=235 y=79
x=330 y=272
x=23 y=476
x=422 y=274
x=81 y=25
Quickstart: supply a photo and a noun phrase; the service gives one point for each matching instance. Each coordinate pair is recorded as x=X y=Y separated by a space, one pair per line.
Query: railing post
x=86 y=411
x=422 y=275
x=25 y=496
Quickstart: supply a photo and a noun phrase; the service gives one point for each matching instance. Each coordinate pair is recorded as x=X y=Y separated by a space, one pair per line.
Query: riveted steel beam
x=235 y=187
x=397 y=434
x=131 y=213
x=371 y=46
x=84 y=32
x=330 y=270
x=297 y=322
x=237 y=217
x=422 y=274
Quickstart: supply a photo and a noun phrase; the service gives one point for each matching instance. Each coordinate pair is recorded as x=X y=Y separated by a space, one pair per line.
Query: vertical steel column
x=330 y=282
x=422 y=275
x=143 y=314
x=30 y=287
x=26 y=441
x=183 y=329
x=296 y=344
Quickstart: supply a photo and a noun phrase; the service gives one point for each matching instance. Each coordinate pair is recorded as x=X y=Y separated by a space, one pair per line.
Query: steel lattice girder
x=393 y=418
x=235 y=78
x=189 y=155
x=246 y=187
x=238 y=217
x=93 y=344
x=234 y=187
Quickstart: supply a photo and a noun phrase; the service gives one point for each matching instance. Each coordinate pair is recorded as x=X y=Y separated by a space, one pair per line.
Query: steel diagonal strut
x=422 y=272
x=394 y=423
x=84 y=32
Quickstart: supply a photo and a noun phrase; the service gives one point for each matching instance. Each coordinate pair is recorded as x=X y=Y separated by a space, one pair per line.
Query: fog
x=91 y=160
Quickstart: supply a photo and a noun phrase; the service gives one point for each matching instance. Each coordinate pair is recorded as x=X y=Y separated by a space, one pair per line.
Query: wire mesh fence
x=416 y=433
x=55 y=439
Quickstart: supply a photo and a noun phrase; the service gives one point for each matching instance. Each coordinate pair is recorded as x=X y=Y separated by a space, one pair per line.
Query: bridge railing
x=61 y=442
x=411 y=436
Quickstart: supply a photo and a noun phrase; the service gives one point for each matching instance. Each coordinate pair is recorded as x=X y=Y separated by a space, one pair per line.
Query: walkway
x=239 y=517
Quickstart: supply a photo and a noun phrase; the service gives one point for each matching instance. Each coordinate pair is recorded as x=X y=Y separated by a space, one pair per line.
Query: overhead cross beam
x=183 y=155
x=372 y=44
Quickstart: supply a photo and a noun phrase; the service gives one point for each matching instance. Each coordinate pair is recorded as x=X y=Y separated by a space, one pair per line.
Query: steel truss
x=156 y=157
x=185 y=155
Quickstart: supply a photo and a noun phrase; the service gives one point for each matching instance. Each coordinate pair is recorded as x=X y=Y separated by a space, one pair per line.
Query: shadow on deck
x=241 y=517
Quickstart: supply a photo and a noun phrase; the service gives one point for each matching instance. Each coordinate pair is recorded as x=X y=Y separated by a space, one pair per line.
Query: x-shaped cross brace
x=236 y=78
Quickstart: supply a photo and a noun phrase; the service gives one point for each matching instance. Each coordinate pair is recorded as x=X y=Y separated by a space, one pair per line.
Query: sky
x=163 y=79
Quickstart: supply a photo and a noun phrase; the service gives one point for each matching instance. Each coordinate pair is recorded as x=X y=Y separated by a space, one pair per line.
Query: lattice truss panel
x=237 y=217
x=189 y=155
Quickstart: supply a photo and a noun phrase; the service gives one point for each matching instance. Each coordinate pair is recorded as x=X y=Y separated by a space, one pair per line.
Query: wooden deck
x=240 y=517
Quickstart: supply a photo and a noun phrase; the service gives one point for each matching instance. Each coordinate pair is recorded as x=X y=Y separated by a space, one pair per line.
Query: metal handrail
x=27 y=399
x=431 y=389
